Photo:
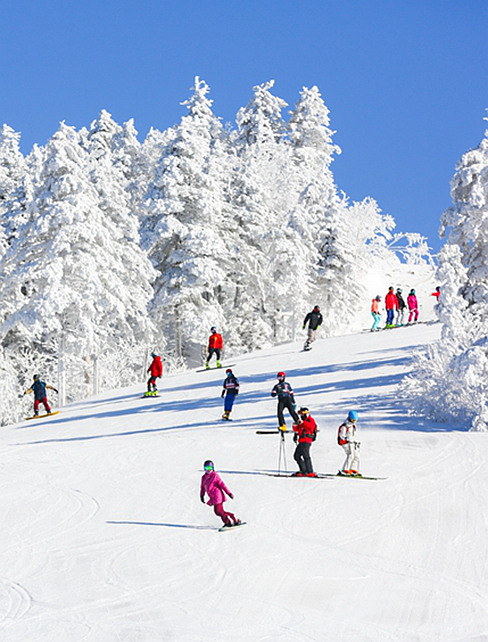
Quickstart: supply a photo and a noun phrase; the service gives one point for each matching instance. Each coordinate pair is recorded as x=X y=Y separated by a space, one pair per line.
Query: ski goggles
x=208 y=468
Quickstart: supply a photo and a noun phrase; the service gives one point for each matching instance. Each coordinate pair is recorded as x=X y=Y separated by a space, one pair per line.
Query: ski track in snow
x=105 y=538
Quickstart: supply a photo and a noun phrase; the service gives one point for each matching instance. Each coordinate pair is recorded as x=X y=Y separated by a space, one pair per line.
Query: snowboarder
x=375 y=311
x=229 y=392
x=413 y=306
x=286 y=399
x=391 y=304
x=305 y=435
x=400 y=317
x=437 y=293
x=156 y=371
x=216 y=490
x=314 y=320
x=39 y=388
x=215 y=345
x=347 y=438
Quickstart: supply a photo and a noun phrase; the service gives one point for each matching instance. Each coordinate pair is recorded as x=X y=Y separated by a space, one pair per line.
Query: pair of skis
x=325 y=476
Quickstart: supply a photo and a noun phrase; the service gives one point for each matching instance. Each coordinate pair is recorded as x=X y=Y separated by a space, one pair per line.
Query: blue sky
x=405 y=81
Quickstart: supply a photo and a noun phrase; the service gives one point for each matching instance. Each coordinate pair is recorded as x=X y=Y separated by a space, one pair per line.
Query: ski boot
x=207 y=365
x=282 y=428
x=299 y=474
x=219 y=365
x=311 y=474
x=226 y=415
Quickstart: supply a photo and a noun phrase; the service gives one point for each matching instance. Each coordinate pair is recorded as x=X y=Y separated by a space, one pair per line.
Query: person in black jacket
x=39 y=389
x=314 y=320
x=230 y=390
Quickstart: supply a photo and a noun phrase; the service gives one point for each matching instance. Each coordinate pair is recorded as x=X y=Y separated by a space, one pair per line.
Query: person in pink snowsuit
x=216 y=490
x=413 y=306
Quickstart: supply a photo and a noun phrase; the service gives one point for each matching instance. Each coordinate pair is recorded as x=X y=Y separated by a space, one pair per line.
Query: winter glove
x=231 y=495
x=303 y=327
x=202 y=499
x=223 y=393
x=295 y=438
x=55 y=391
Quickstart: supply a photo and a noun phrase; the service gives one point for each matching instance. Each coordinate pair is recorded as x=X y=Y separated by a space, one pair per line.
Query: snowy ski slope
x=104 y=538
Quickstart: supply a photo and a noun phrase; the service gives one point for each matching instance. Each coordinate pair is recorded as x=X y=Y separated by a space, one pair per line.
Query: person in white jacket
x=347 y=438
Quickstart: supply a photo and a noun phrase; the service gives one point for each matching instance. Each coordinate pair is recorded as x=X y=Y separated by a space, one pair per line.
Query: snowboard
x=146 y=395
x=50 y=414
x=229 y=528
x=215 y=367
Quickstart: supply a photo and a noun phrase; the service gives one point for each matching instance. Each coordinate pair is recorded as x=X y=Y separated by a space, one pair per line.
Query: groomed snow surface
x=104 y=537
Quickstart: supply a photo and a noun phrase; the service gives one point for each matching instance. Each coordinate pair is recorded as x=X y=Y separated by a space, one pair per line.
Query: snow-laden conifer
x=14 y=185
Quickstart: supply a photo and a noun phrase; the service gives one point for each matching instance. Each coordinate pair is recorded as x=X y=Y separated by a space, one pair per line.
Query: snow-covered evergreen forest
x=111 y=247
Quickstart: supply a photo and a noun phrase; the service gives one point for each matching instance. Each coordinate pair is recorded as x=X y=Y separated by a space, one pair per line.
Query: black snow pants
x=286 y=402
x=302 y=457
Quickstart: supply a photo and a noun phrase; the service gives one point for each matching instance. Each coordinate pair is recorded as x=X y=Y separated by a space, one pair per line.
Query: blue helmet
x=353 y=415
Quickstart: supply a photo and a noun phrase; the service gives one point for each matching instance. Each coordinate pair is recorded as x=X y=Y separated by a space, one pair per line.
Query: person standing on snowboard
x=314 y=320
x=215 y=345
x=286 y=399
x=305 y=435
x=214 y=487
x=39 y=388
x=155 y=370
x=229 y=392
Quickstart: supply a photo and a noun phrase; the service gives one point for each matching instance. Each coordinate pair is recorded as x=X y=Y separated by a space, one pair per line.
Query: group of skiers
x=396 y=308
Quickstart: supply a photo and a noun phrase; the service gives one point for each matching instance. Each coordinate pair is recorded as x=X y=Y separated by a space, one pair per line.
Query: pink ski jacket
x=412 y=302
x=215 y=488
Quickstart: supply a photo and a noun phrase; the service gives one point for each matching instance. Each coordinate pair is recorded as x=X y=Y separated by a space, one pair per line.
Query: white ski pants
x=352 y=456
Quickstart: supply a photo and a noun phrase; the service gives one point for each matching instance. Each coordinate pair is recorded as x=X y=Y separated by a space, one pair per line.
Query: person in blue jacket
x=39 y=388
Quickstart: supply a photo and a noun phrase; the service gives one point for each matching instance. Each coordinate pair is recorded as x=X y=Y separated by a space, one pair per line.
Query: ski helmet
x=36 y=377
x=304 y=411
x=208 y=465
x=412 y=291
x=153 y=355
x=399 y=290
x=378 y=298
x=213 y=329
x=353 y=415
x=228 y=371
x=281 y=375
x=316 y=308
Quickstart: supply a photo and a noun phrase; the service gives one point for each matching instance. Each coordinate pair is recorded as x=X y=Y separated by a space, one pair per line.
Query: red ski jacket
x=391 y=301
x=156 y=367
x=307 y=430
x=215 y=341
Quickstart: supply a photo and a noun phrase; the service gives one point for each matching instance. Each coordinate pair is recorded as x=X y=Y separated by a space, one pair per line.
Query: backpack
x=340 y=439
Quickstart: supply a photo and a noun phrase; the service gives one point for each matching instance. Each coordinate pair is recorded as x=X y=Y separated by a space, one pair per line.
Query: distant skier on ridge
x=155 y=370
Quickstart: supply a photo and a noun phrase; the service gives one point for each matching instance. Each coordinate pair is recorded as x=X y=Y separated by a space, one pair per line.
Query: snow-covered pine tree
x=65 y=280
x=14 y=185
x=450 y=382
x=186 y=230
x=265 y=273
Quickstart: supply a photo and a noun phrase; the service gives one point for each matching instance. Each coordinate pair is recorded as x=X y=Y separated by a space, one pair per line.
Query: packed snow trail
x=105 y=539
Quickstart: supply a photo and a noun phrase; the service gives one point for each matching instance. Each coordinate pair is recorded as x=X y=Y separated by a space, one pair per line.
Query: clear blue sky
x=405 y=80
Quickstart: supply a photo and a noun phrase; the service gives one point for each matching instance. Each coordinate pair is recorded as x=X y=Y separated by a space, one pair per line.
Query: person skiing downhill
x=314 y=320
x=305 y=434
x=214 y=487
x=375 y=311
x=413 y=306
x=391 y=304
x=39 y=388
x=155 y=370
x=401 y=307
x=286 y=399
x=347 y=438
x=215 y=345
x=229 y=392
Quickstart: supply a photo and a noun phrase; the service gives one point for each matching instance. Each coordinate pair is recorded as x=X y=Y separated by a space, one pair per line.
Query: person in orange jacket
x=305 y=434
x=215 y=345
x=155 y=370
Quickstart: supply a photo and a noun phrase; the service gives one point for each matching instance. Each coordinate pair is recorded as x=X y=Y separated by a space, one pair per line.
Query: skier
x=305 y=435
x=156 y=371
x=391 y=304
x=375 y=311
x=400 y=317
x=39 y=388
x=347 y=438
x=413 y=306
x=286 y=399
x=314 y=320
x=215 y=345
x=437 y=293
x=229 y=392
x=216 y=490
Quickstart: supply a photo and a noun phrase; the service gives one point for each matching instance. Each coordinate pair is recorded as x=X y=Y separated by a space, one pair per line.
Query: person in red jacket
x=305 y=434
x=215 y=345
x=155 y=370
x=391 y=305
